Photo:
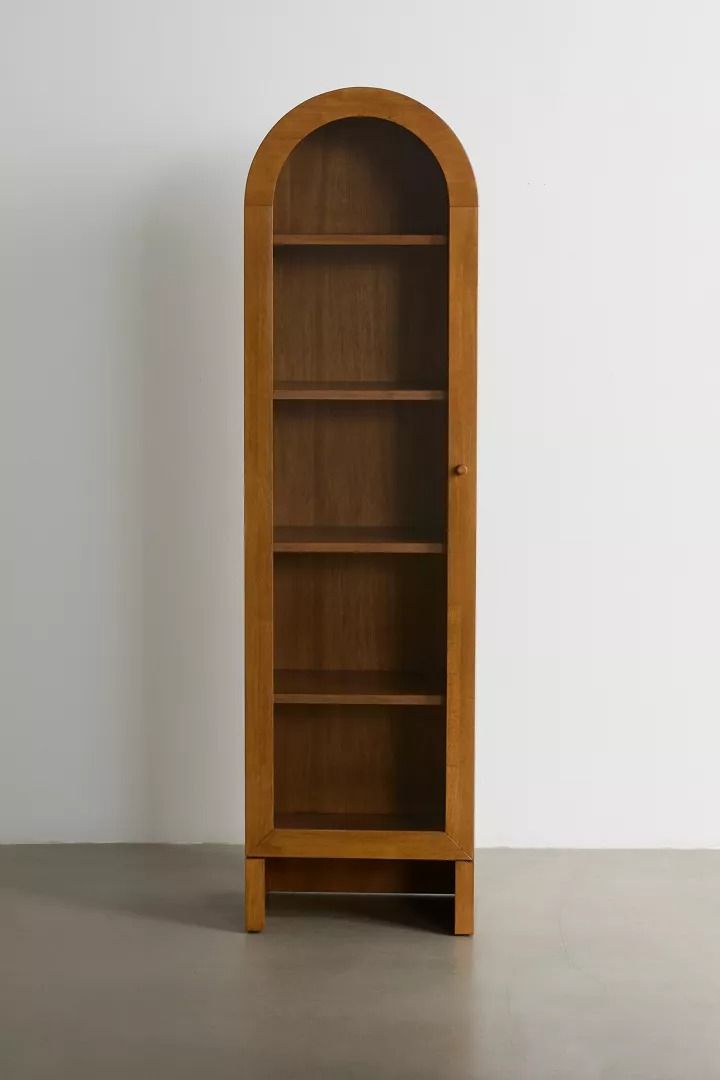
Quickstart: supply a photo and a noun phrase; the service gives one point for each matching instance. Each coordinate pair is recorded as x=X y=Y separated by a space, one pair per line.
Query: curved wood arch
x=314 y=113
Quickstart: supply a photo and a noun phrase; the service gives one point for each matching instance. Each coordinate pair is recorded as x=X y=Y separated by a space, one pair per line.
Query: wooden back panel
x=361 y=175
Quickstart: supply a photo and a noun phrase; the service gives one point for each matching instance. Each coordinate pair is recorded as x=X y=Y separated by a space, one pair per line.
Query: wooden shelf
x=354 y=541
x=355 y=688
x=355 y=391
x=384 y=822
x=359 y=239
x=349 y=843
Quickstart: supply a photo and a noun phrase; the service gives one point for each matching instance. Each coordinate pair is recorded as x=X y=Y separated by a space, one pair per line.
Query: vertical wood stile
x=462 y=393
x=254 y=895
x=258 y=525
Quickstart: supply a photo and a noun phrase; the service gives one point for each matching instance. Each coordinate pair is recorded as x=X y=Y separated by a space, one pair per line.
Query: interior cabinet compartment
x=323 y=329
x=360 y=613
x=361 y=464
x=361 y=174
x=359 y=767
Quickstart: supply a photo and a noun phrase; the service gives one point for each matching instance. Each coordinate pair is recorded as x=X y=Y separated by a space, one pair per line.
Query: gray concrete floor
x=130 y=962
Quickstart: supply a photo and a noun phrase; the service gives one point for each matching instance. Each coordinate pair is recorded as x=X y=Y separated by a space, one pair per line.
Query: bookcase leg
x=254 y=895
x=464 y=897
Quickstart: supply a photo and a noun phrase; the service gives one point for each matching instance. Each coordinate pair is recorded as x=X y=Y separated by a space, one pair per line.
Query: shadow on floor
x=198 y=885
x=430 y=913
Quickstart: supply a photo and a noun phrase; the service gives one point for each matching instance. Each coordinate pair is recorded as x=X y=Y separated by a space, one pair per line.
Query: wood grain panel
x=357 y=688
x=366 y=613
x=356 y=540
x=360 y=760
x=358 y=844
x=464 y=897
x=361 y=175
x=360 y=313
x=397 y=822
x=312 y=114
x=342 y=464
x=355 y=391
x=461 y=528
x=258 y=522
x=254 y=895
x=359 y=239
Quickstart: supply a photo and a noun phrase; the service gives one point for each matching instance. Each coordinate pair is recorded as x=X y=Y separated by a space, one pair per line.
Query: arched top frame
x=314 y=113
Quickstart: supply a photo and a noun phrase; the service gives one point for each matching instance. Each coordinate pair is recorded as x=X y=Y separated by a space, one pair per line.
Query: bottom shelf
x=359 y=768
x=384 y=822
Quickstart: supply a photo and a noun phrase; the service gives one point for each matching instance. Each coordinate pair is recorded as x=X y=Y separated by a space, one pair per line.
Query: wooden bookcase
x=360 y=391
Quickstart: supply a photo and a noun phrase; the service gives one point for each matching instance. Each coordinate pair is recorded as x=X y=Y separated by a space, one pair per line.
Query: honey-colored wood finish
x=351 y=102
x=258 y=524
x=356 y=540
x=367 y=612
x=349 y=391
x=359 y=239
x=361 y=264
x=460 y=760
x=406 y=341
x=366 y=763
x=254 y=895
x=334 y=843
x=307 y=687
x=464 y=897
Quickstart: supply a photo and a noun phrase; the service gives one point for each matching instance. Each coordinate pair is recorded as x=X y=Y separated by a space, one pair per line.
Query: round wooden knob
x=461 y=470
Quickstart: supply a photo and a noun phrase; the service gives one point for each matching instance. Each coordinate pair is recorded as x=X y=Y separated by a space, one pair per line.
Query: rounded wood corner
x=367 y=101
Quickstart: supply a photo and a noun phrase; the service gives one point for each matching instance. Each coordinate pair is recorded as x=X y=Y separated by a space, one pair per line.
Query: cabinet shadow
x=190 y=288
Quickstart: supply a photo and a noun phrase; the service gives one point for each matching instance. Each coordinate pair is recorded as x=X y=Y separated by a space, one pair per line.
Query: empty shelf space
x=351 y=820
x=356 y=688
x=355 y=391
x=375 y=312
x=359 y=239
x=355 y=540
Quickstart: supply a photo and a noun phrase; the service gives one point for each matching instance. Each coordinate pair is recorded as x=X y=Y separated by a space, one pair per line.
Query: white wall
x=127 y=131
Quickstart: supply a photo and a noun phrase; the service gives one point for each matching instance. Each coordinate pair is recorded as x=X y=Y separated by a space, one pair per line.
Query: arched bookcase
x=360 y=357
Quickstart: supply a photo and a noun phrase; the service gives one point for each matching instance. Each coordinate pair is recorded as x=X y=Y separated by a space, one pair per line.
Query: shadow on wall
x=190 y=292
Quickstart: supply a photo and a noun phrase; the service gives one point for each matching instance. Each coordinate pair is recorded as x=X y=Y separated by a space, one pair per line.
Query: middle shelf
x=360 y=240
x=356 y=688
x=305 y=390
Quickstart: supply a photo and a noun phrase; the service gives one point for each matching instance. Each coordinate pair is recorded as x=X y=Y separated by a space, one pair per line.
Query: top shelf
x=360 y=239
